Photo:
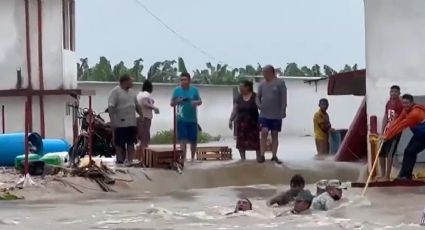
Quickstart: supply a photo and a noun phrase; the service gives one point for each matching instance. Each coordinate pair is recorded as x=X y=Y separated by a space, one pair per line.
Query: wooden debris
x=66 y=183
x=100 y=175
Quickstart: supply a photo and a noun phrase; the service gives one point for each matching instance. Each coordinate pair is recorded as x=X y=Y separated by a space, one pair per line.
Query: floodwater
x=206 y=208
x=201 y=196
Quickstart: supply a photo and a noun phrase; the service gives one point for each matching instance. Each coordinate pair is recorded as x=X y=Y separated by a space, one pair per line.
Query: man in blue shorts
x=186 y=99
x=271 y=100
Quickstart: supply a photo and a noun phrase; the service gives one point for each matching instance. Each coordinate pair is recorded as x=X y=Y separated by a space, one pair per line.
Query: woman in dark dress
x=245 y=112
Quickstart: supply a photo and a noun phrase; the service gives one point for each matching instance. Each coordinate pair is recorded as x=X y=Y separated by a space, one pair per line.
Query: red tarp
x=354 y=145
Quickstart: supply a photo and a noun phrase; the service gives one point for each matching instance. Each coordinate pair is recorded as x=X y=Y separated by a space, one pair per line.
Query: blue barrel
x=12 y=145
x=334 y=141
x=55 y=145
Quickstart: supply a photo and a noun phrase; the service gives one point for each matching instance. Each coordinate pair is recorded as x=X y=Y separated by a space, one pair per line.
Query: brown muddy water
x=200 y=197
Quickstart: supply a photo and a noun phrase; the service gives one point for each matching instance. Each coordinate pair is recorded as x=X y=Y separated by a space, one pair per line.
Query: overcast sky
x=236 y=32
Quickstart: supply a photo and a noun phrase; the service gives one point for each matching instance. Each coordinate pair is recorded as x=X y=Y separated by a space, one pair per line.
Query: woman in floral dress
x=245 y=112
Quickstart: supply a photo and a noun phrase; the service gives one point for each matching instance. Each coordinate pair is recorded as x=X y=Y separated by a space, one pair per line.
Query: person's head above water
x=334 y=189
x=302 y=201
x=269 y=72
x=243 y=205
x=297 y=182
x=323 y=104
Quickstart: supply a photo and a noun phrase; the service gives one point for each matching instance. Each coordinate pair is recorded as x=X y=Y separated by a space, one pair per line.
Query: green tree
x=119 y=70
x=307 y=71
x=317 y=72
x=167 y=71
x=163 y=72
x=102 y=71
x=83 y=70
x=137 y=69
x=329 y=71
x=181 y=65
x=347 y=68
x=293 y=70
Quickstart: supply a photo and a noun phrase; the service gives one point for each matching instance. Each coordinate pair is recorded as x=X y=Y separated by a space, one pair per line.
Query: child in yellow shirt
x=322 y=126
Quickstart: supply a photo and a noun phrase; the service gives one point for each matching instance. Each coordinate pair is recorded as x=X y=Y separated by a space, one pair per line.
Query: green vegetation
x=9 y=196
x=165 y=137
x=168 y=71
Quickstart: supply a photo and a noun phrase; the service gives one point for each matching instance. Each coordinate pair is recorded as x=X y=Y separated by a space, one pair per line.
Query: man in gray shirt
x=271 y=100
x=122 y=107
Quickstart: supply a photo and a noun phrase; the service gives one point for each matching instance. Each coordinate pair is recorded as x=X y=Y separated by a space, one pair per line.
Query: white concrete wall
x=217 y=105
x=395 y=50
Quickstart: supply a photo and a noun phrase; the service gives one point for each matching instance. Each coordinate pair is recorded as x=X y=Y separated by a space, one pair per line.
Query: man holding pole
x=393 y=109
x=186 y=99
x=413 y=117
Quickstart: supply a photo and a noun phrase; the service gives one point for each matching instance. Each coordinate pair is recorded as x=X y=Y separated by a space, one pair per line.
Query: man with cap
x=302 y=202
x=328 y=193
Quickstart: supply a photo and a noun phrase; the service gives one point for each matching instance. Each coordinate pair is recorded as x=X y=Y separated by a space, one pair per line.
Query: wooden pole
x=26 y=123
x=3 y=124
x=175 y=157
x=373 y=120
x=90 y=131
x=375 y=139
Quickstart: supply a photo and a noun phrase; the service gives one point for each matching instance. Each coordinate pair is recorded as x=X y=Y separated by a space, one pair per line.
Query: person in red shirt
x=413 y=117
x=393 y=109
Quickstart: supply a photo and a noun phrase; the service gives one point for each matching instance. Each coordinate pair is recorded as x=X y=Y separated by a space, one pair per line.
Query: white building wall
x=12 y=42
x=59 y=65
x=395 y=50
x=217 y=105
x=52 y=45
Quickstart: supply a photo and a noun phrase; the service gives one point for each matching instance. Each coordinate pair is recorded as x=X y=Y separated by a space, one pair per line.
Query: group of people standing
x=258 y=114
x=128 y=129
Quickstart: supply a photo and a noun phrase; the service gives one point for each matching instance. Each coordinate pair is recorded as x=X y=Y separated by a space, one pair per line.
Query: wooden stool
x=161 y=158
x=214 y=153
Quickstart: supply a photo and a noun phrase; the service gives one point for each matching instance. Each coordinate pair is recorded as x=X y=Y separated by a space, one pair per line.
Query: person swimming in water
x=302 y=202
x=243 y=204
x=297 y=184
x=328 y=193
